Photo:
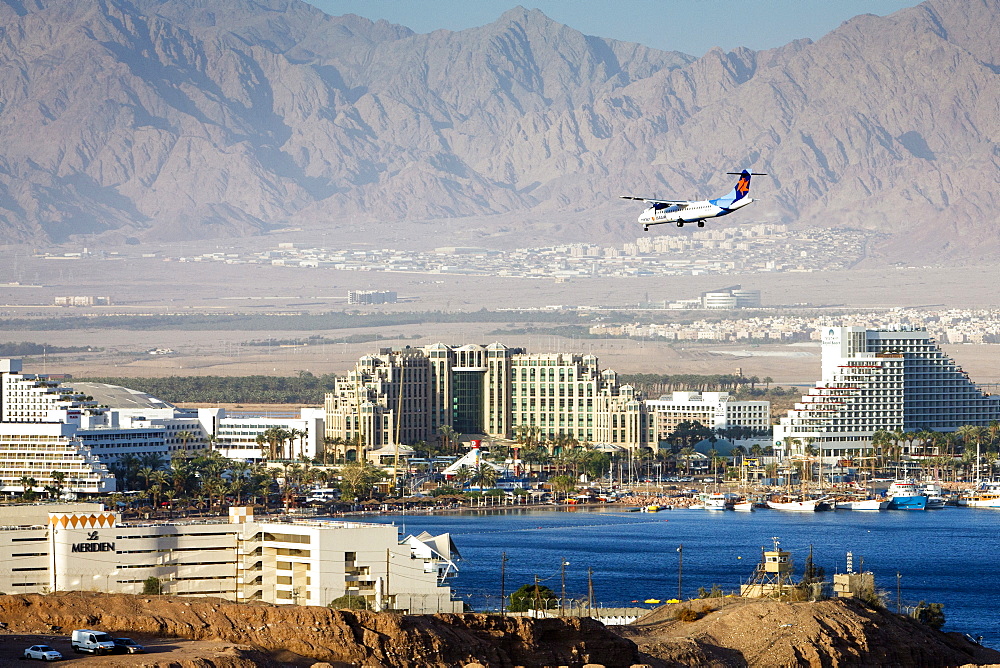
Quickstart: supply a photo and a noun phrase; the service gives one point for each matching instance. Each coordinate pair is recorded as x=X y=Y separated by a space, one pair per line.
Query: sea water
x=944 y=556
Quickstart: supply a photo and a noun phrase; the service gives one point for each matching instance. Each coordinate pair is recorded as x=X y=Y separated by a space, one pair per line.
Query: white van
x=94 y=642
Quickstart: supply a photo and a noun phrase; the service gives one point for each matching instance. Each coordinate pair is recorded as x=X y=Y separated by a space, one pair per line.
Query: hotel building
x=241 y=558
x=892 y=380
x=715 y=410
x=39 y=421
x=407 y=395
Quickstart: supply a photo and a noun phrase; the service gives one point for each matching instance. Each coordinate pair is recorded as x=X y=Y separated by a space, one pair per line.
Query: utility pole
x=590 y=592
x=562 y=596
x=503 y=576
x=680 y=572
x=899 y=607
x=536 y=596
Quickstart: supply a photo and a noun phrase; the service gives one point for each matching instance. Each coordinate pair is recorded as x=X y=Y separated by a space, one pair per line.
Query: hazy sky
x=691 y=26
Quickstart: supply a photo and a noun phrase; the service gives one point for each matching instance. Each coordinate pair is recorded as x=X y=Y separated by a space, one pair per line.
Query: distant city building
x=731 y=298
x=241 y=558
x=371 y=297
x=715 y=410
x=886 y=379
x=408 y=395
x=87 y=300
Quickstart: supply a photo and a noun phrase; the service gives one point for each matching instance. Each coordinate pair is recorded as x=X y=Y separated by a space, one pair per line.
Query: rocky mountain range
x=175 y=119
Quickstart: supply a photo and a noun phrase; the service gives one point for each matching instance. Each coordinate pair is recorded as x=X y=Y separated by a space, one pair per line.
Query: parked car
x=127 y=646
x=43 y=652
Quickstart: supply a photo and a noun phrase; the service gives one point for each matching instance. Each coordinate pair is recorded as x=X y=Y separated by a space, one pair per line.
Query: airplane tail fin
x=742 y=187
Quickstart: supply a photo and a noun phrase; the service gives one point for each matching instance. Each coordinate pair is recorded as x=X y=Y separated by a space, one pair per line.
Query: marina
x=633 y=557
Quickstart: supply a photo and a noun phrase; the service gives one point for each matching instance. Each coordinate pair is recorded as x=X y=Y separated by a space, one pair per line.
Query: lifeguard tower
x=772 y=576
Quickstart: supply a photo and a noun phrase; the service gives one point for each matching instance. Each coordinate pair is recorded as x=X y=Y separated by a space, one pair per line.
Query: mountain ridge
x=190 y=119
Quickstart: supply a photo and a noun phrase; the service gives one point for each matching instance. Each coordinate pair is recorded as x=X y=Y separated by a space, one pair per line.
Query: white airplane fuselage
x=692 y=213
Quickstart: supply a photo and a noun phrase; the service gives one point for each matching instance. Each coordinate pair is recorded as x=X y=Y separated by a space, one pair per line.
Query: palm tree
x=27 y=486
x=293 y=434
x=184 y=437
x=687 y=452
x=484 y=476
x=145 y=473
x=58 y=482
x=969 y=434
x=880 y=443
x=161 y=481
x=449 y=434
x=462 y=475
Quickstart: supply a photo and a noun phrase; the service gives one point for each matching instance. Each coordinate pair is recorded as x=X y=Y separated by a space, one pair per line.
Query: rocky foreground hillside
x=730 y=632
x=838 y=632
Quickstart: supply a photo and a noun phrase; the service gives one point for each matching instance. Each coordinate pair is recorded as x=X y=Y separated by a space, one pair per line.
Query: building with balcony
x=716 y=410
x=408 y=395
x=887 y=379
x=240 y=558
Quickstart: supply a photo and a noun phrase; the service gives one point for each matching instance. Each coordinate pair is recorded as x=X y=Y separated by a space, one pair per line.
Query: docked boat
x=651 y=508
x=796 y=505
x=935 y=495
x=863 y=504
x=744 y=506
x=716 y=501
x=935 y=502
x=986 y=495
x=905 y=495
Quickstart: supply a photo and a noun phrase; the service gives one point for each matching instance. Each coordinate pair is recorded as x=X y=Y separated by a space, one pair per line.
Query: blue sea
x=943 y=556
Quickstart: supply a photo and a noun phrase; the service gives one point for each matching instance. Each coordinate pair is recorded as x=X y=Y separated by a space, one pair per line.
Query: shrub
x=349 y=602
x=931 y=614
x=152 y=586
x=686 y=615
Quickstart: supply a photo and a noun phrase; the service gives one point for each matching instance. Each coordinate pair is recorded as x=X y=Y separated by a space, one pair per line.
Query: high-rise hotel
x=893 y=380
x=407 y=395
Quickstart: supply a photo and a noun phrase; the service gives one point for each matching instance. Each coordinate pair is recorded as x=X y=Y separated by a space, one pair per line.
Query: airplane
x=686 y=211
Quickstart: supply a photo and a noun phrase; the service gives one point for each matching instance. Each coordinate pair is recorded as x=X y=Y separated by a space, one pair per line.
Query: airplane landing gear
x=645 y=228
x=701 y=223
x=680 y=223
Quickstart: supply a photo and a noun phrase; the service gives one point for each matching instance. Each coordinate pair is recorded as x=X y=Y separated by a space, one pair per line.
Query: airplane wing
x=650 y=200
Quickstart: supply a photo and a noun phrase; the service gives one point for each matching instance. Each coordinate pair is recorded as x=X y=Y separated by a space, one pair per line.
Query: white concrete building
x=886 y=379
x=240 y=558
x=715 y=410
x=39 y=420
x=236 y=437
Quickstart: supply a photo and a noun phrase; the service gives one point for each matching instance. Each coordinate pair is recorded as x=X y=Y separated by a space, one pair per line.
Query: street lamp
x=562 y=598
x=680 y=572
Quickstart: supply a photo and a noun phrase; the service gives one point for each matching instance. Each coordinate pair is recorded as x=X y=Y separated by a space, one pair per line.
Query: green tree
x=931 y=614
x=152 y=586
x=562 y=484
x=532 y=597
x=359 y=478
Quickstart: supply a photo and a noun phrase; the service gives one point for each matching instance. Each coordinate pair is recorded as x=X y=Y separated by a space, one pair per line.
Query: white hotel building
x=81 y=547
x=897 y=379
x=715 y=410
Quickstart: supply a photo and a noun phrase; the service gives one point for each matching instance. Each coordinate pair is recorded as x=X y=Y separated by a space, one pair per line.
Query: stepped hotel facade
x=893 y=380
